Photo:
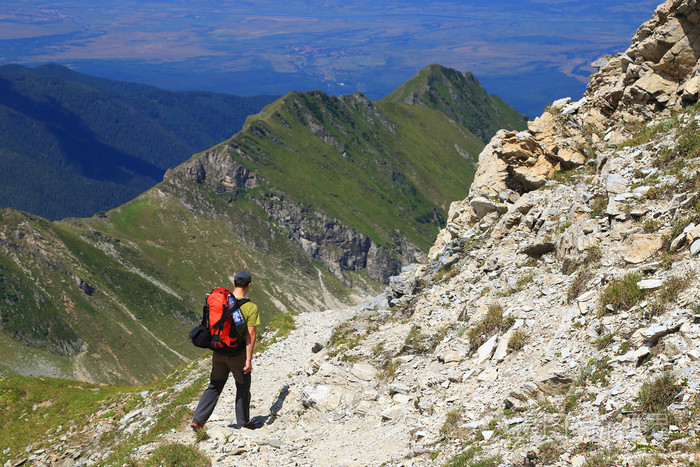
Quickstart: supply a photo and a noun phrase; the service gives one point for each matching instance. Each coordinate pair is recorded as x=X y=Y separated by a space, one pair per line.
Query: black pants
x=221 y=366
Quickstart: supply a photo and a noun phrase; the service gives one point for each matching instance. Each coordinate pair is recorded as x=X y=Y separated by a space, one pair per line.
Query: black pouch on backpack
x=201 y=335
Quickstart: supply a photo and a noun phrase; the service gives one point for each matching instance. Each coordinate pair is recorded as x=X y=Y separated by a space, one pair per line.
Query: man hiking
x=237 y=361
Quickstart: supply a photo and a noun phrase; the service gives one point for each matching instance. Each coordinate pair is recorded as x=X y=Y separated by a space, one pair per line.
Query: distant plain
x=527 y=52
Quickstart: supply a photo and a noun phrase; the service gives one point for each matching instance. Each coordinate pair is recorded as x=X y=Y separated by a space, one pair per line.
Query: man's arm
x=249 y=346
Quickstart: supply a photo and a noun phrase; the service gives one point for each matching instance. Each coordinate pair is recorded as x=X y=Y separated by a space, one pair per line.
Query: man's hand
x=250 y=345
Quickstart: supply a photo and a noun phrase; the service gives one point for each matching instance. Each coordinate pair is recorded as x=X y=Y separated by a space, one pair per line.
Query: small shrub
x=418 y=342
x=667 y=294
x=578 y=285
x=493 y=322
x=595 y=371
x=572 y=401
x=622 y=294
x=604 y=341
x=450 y=427
x=517 y=340
x=549 y=452
x=464 y=459
x=446 y=273
x=606 y=457
x=673 y=286
x=201 y=435
x=178 y=455
x=593 y=256
x=651 y=225
x=688 y=143
x=677 y=228
x=388 y=370
x=569 y=266
x=656 y=395
x=645 y=133
x=343 y=338
x=523 y=281
x=598 y=206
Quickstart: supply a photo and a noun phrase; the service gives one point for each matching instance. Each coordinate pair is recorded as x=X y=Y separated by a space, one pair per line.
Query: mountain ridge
x=462 y=98
x=324 y=195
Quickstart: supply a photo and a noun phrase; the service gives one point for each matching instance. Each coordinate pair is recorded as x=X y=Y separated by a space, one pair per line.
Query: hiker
x=237 y=361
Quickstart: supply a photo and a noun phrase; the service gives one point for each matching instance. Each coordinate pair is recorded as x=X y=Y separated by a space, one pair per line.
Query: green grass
x=518 y=340
x=645 y=133
x=493 y=322
x=461 y=97
x=596 y=370
x=668 y=293
x=658 y=393
x=34 y=408
x=622 y=294
x=280 y=325
x=177 y=455
x=173 y=415
x=451 y=426
x=598 y=205
x=385 y=171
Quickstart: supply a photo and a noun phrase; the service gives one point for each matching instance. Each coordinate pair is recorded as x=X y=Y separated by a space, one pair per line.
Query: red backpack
x=223 y=328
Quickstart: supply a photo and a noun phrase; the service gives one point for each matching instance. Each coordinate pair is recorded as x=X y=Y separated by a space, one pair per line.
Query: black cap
x=242 y=279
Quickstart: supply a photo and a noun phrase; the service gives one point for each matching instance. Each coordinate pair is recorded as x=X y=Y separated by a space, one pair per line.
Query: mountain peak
x=462 y=98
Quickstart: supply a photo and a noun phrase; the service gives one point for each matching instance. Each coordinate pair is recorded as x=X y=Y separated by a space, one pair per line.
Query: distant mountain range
x=321 y=198
x=73 y=145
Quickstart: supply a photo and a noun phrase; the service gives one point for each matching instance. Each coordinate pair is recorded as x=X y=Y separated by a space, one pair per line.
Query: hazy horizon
x=527 y=52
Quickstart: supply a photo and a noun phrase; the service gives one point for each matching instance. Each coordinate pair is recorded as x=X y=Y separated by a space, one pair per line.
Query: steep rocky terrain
x=556 y=320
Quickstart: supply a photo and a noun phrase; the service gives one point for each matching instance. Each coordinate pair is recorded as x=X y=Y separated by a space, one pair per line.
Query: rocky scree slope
x=560 y=303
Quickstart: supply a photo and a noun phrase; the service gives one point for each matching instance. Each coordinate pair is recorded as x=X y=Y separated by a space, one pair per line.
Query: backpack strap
x=238 y=302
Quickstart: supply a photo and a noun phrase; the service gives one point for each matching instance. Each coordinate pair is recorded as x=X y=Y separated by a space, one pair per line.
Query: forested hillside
x=73 y=145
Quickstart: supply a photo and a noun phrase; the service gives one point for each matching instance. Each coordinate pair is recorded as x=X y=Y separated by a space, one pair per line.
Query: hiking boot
x=250 y=426
x=196 y=426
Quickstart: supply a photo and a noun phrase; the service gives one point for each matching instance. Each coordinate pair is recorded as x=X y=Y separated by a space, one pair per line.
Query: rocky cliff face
x=659 y=71
x=327 y=240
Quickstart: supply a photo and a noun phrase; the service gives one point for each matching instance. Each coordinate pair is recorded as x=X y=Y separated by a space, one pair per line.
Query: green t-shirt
x=250 y=314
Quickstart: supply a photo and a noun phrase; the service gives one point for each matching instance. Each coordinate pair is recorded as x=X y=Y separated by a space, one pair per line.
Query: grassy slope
x=388 y=170
x=393 y=170
x=462 y=98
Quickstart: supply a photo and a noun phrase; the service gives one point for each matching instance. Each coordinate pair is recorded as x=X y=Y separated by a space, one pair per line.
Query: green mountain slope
x=321 y=198
x=73 y=145
x=462 y=98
